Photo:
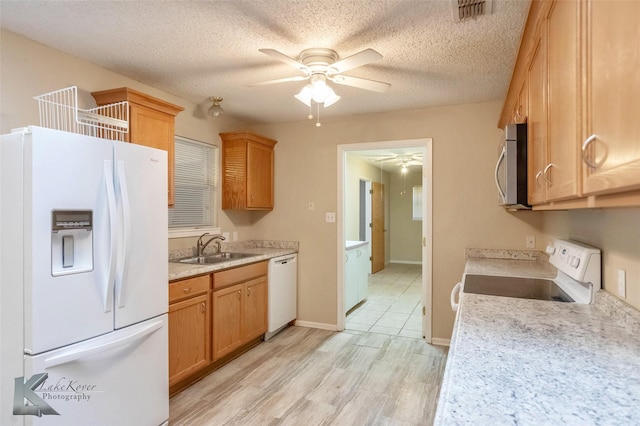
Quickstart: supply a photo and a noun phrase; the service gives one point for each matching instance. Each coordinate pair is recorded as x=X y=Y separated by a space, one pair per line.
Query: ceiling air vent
x=467 y=9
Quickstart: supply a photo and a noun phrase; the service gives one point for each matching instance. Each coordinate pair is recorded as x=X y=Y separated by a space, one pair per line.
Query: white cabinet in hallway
x=356 y=273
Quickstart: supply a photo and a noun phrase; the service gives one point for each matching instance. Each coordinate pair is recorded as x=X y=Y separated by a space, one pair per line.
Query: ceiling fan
x=320 y=65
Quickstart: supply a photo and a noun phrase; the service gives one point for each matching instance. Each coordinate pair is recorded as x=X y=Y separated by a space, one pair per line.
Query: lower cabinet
x=211 y=316
x=239 y=307
x=356 y=273
x=189 y=327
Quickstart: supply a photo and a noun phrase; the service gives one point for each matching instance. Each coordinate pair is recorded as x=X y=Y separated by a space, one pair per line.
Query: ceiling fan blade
x=354 y=61
x=361 y=83
x=280 y=80
x=286 y=59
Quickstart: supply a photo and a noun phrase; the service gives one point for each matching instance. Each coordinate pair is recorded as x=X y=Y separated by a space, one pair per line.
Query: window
x=417 y=202
x=195 y=185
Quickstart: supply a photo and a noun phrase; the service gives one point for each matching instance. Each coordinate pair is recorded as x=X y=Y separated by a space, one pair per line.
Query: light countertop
x=264 y=250
x=531 y=362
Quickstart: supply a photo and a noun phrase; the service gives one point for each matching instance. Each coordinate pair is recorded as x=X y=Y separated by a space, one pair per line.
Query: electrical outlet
x=235 y=235
x=622 y=283
x=531 y=241
x=330 y=217
x=312 y=206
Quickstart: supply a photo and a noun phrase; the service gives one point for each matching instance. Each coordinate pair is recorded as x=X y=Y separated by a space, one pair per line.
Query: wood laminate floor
x=306 y=376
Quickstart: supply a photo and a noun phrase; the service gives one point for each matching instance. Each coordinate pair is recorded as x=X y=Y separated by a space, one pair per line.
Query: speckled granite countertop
x=530 y=362
x=263 y=249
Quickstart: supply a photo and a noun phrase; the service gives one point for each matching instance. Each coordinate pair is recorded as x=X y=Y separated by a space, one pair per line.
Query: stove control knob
x=550 y=249
x=575 y=261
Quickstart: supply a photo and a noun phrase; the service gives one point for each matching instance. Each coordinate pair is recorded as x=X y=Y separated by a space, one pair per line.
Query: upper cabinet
x=151 y=122
x=247 y=171
x=611 y=144
x=578 y=62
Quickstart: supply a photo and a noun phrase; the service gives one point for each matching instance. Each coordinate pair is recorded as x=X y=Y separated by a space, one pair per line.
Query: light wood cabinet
x=537 y=124
x=189 y=327
x=151 y=123
x=579 y=62
x=239 y=307
x=247 y=171
x=612 y=109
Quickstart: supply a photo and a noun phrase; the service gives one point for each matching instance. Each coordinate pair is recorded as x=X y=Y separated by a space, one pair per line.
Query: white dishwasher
x=283 y=284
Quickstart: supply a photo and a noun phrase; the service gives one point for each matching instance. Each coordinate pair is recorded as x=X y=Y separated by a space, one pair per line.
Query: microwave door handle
x=500 y=160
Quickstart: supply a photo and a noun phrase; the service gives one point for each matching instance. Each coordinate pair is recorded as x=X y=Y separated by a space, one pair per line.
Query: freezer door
x=142 y=267
x=65 y=301
x=120 y=378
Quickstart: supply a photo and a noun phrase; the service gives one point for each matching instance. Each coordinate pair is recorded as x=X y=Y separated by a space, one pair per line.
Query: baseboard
x=320 y=325
x=440 y=342
x=406 y=262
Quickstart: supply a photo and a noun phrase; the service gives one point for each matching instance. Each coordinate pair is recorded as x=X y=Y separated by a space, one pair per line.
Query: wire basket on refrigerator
x=59 y=110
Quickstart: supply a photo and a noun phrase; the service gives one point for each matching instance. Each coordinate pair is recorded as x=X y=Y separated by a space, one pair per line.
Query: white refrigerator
x=83 y=291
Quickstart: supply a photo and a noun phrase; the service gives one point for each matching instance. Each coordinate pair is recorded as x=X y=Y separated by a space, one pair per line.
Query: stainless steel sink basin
x=524 y=288
x=215 y=258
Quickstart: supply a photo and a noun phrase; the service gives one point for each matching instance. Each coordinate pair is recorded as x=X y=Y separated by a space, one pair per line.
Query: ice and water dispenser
x=71 y=241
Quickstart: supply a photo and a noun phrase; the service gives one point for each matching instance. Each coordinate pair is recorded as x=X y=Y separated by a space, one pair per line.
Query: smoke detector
x=468 y=9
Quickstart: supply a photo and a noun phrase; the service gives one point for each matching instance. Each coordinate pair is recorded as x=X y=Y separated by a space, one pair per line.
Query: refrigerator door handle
x=76 y=354
x=126 y=225
x=111 y=205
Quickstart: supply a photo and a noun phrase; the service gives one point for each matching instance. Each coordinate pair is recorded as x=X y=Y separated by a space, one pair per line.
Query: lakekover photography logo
x=31 y=398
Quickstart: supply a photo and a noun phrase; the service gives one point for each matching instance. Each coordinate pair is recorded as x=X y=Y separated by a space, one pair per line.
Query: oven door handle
x=456 y=289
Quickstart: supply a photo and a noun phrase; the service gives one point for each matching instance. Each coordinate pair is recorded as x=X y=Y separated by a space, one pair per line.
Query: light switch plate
x=531 y=241
x=312 y=206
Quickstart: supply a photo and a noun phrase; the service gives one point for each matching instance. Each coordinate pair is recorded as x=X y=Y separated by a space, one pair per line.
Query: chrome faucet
x=200 y=246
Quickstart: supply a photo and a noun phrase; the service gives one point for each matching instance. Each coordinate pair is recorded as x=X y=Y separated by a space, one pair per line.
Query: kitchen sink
x=524 y=288
x=215 y=258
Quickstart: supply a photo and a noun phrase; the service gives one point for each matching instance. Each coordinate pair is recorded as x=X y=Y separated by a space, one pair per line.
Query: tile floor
x=393 y=305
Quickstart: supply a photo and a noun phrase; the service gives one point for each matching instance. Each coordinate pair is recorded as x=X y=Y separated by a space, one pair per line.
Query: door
x=259 y=176
x=377 y=227
x=70 y=302
x=189 y=336
x=227 y=320
x=536 y=128
x=613 y=106
x=117 y=379
x=255 y=308
x=141 y=186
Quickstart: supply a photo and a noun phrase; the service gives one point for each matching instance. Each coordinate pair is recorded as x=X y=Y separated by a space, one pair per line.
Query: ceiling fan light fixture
x=305 y=95
x=215 y=110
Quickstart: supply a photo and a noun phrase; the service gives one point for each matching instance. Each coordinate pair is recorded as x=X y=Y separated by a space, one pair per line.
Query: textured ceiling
x=197 y=49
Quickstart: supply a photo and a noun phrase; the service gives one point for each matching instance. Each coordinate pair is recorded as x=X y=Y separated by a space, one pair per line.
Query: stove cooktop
x=523 y=288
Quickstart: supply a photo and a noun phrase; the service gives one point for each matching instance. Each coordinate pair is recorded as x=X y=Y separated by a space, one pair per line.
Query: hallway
x=393 y=305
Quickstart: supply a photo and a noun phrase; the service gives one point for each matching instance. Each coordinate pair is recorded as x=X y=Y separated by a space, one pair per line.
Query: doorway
x=424 y=146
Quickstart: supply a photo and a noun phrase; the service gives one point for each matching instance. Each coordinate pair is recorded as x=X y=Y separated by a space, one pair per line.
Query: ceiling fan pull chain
x=318 y=123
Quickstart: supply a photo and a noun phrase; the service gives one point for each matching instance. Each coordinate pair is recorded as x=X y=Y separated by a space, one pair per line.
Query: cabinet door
x=612 y=137
x=189 y=337
x=155 y=129
x=363 y=272
x=350 y=277
x=227 y=320
x=259 y=176
x=561 y=171
x=537 y=128
x=255 y=308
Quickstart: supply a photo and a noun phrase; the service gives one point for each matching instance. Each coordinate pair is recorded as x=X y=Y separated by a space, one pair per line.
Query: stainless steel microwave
x=511 y=168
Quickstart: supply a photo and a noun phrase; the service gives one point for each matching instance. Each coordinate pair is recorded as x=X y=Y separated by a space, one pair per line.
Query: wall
x=615 y=231
x=406 y=233
x=28 y=69
x=465 y=208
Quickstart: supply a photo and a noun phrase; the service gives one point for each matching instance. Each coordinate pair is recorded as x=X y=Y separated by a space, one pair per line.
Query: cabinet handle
x=187 y=290
x=346 y=257
x=203 y=308
x=585 y=154
x=546 y=171
x=239 y=294
x=538 y=178
x=248 y=292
